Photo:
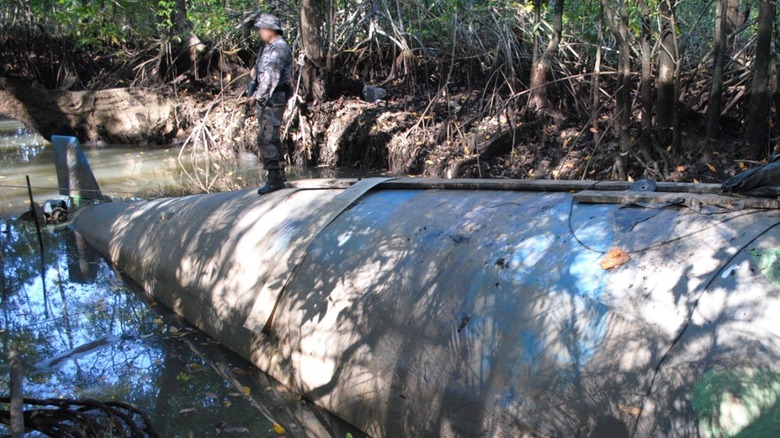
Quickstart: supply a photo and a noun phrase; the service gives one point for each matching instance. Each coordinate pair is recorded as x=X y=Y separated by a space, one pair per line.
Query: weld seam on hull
x=260 y=318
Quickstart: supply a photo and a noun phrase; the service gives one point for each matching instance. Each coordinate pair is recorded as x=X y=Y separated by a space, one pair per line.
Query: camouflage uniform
x=272 y=84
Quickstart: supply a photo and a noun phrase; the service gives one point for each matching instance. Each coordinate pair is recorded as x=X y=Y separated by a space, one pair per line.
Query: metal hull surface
x=413 y=312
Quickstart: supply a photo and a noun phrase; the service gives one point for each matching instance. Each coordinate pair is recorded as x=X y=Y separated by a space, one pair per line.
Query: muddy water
x=127 y=172
x=84 y=332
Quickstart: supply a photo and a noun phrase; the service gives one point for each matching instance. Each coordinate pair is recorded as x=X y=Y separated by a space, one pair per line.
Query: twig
x=40 y=243
x=17 y=414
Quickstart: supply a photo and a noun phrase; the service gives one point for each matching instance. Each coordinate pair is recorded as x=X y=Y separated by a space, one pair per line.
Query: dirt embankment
x=465 y=134
x=119 y=115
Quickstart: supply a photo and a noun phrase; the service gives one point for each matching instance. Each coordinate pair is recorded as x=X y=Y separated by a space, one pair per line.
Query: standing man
x=271 y=77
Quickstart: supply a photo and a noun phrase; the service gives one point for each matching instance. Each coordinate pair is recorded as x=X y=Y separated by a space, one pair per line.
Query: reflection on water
x=83 y=332
x=124 y=171
x=88 y=335
x=13 y=135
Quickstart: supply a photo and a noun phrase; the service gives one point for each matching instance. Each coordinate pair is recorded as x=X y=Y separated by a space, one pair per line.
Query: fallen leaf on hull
x=631 y=410
x=615 y=258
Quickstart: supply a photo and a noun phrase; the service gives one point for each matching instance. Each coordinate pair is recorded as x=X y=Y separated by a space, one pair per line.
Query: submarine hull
x=434 y=312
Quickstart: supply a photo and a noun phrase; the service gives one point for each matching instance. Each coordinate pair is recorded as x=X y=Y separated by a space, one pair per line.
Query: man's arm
x=250 y=102
x=268 y=77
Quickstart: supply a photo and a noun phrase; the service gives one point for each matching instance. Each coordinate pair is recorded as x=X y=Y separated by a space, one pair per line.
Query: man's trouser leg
x=270 y=147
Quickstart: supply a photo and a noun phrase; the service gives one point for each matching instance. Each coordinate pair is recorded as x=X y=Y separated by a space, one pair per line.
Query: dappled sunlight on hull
x=472 y=312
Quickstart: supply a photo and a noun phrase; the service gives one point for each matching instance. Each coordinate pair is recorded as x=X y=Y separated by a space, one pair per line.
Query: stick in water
x=40 y=242
x=17 y=414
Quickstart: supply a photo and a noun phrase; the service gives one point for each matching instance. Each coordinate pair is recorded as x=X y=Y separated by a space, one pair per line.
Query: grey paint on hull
x=475 y=313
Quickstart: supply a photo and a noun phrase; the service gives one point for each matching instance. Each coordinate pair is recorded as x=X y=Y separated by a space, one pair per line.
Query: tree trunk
x=716 y=94
x=179 y=55
x=331 y=21
x=624 y=95
x=618 y=23
x=314 y=70
x=191 y=45
x=737 y=12
x=665 y=86
x=181 y=24
x=595 y=83
x=646 y=80
x=540 y=71
x=776 y=89
x=535 y=50
x=758 y=117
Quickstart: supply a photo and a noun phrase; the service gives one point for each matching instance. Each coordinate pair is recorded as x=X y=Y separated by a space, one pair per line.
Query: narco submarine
x=470 y=308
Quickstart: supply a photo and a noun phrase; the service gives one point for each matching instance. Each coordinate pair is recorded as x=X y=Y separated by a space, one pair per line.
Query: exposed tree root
x=83 y=418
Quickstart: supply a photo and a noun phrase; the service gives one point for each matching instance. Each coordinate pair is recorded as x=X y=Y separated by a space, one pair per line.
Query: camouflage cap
x=268 y=21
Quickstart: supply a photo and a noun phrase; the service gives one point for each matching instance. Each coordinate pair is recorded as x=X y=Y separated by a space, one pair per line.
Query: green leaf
x=768 y=261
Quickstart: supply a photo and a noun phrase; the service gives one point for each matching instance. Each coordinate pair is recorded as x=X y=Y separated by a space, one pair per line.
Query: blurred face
x=267 y=35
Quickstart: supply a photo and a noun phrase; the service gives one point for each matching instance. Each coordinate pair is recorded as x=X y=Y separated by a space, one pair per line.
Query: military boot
x=275 y=182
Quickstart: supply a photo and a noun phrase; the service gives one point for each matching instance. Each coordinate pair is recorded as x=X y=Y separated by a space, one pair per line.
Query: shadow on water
x=84 y=332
